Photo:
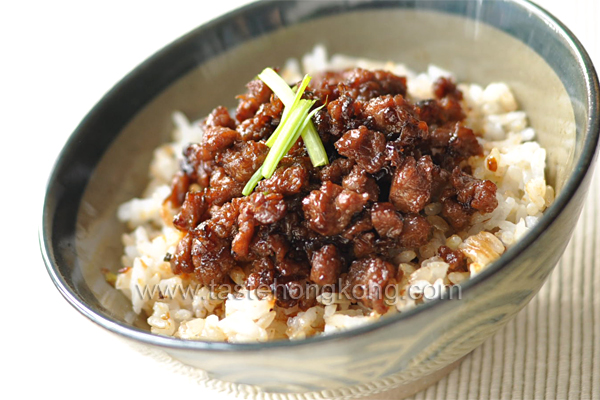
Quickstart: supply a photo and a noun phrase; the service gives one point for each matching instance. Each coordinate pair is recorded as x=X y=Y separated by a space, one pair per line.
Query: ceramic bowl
x=106 y=159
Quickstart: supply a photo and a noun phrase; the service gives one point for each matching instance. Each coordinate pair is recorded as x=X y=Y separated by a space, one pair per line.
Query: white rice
x=179 y=308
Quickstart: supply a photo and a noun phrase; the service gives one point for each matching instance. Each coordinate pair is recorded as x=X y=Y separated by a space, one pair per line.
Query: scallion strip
x=314 y=145
x=277 y=85
x=288 y=109
x=278 y=151
x=305 y=123
x=296 y=120
x=253 y=182
x=258 y=175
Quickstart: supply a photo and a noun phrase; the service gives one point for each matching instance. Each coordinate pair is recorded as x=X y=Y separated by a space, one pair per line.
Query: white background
x=57 y=60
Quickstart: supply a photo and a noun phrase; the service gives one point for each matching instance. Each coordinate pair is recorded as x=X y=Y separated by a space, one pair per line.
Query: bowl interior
x=474 y=51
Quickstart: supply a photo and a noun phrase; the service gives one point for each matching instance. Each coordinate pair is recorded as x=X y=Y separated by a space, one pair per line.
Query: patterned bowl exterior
x=511 y=41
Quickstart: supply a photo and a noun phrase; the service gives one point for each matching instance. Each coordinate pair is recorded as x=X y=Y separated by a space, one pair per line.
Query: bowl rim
x=581 y=170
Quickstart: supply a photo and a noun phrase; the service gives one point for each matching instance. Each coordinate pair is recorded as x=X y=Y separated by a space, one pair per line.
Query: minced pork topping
x=390 y=162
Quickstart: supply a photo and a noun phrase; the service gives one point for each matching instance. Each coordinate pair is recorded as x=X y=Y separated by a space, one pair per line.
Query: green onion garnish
x=286 y=137
x=311 y=138
x=307 y=120
x=252 y=182
x=289 y=106
x=296 y=120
